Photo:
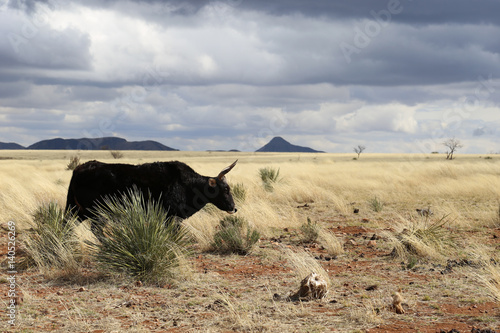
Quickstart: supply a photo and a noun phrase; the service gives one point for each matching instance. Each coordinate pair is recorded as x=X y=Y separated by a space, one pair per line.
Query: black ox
x=180 y=189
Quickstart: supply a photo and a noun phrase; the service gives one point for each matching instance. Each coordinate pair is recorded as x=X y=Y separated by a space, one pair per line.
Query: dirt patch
x=235 y=293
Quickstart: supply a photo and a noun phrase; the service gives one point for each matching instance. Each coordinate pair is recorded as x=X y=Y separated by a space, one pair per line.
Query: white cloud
x=387 y=117
x=223 y=74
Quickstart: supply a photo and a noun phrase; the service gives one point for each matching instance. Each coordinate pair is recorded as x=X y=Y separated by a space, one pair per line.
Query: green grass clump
x=52 y=242
x=269 y=177
x=235 y=236
x=310 y=231
x=376 y=204
x=138 y=238
x=424 y=239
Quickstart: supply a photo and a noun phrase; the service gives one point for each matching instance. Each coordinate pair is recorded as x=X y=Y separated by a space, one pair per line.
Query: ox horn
x=226 y=170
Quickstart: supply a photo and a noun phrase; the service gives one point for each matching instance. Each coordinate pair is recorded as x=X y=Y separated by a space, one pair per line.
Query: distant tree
x=359 y=149
x=116 y=154
x=452 y=145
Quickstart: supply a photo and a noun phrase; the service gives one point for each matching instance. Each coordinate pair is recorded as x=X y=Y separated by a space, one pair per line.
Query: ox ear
x=226 y=170
x=212 y=182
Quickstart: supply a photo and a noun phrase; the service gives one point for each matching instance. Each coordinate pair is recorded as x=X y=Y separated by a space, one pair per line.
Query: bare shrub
x=359 y=149
x=452 y=144
x=116 y=154
x=74 y=161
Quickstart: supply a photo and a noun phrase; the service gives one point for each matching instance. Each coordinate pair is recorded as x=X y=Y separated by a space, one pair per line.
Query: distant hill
x=280 y=145
x=223 y=151
x=10 y=145
x=112 y=143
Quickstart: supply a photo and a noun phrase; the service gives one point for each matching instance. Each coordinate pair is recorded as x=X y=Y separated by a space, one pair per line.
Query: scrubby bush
x=52 y=243
x=310 y=231
x=74 y=161
x=235 y=236
x=269 y=177
x=376 y=204
x=116 y=154
x=138 y=238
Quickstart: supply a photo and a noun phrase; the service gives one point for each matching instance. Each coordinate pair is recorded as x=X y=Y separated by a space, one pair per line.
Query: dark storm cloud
x=381 y=43
x=223 y=71
x=418 y=12
x=414 y=12
x=29 y=43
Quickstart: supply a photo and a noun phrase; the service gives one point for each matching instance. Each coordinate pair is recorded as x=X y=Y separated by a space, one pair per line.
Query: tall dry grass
x=24 y=185
x=467 y=188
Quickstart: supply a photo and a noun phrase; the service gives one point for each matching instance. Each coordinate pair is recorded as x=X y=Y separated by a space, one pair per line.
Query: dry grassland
x=444 y=264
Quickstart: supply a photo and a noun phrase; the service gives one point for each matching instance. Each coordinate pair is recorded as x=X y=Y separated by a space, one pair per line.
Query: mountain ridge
x=103 y=143
x=10 y=146
x=114 y=143
x=280 y=145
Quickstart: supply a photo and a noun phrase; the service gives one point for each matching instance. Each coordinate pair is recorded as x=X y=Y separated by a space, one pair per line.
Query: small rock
x=424 y=212
x=59 y=292
x=138 y=283
x=365 y=220
x=352 y=242
x=356 y=210
x=18 y=300
x=372 y=243
x=81 y=289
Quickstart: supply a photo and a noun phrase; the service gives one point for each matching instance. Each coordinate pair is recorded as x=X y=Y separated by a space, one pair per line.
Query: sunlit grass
x=467 y=188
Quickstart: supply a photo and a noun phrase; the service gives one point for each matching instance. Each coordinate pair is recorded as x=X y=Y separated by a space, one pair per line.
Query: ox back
x=181 y=191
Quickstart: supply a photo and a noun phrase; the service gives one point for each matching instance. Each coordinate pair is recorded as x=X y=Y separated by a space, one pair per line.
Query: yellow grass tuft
x=422 y=237
x=330 y=242
x=303 y=264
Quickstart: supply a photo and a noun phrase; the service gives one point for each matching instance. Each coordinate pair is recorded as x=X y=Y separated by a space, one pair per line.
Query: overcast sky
x=395 y=76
